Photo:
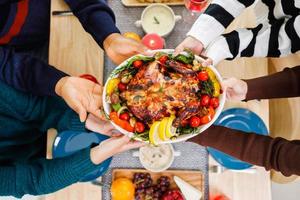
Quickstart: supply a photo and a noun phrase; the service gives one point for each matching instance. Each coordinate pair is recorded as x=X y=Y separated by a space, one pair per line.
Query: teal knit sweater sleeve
x=44 y=176
x=41 y=176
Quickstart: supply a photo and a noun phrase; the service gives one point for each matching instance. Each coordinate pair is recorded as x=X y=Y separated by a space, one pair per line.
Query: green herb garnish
x=129 y=64
x=187 y=130
x=207 y=87
x=187 y=58
x=156 y=20
x=142 y=136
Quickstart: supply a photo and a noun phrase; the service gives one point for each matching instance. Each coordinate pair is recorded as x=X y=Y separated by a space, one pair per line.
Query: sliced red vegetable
x=205 y=99
x=124 y=116
x=122 y=123
x=195 y=122
x=89 y=77
x=184 y=122
x=214 y=102
x=139 y=127
x=122 y=87
x=137 y=64
x=207 y=118
x=163 y=59
x=203 y=76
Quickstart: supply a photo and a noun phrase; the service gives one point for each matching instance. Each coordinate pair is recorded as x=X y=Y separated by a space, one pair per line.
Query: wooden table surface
x=73 y=50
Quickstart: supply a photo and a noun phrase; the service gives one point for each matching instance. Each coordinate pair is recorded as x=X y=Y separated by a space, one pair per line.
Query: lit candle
x=153 y=41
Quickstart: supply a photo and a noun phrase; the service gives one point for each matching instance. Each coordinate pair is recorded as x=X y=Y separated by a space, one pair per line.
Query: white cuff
x=206 y=29
x=218 y=50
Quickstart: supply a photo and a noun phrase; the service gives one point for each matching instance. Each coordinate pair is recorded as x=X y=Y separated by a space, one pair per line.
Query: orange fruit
x=122 y=189
x=132 y=35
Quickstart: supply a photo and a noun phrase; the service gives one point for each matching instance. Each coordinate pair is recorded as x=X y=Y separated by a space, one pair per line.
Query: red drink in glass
x=195 y=5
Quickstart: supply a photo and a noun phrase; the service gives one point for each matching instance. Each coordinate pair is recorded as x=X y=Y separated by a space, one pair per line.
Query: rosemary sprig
x=156 y=20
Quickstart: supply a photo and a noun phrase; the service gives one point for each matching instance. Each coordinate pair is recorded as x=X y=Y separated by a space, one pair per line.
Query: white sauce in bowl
x=156 y=158
x=158 y=19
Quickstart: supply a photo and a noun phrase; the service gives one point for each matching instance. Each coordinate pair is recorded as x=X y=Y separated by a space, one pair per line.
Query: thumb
x=207 y=62
x=80 y=110
x=228 y=83
x=99 y=114
x=178 y=50
x=142 y=49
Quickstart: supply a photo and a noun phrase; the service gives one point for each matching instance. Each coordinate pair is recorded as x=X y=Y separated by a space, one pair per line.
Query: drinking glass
x=194 y=9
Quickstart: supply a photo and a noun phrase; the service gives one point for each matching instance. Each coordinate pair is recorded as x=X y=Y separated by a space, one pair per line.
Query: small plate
x=69 y=142
x=240 y=119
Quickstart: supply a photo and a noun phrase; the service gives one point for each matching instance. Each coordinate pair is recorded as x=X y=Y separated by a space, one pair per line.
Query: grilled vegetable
x=122 y=123
x=116 y=107
x=112 y=85
x=215 y=82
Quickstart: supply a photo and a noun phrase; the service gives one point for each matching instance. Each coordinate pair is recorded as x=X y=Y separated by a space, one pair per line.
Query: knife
x=189 y=192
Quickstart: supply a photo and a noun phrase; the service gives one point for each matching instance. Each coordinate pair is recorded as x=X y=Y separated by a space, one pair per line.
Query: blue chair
x=69 y=142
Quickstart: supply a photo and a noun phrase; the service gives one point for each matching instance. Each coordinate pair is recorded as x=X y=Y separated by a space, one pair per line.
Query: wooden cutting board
x=136 y=3
x=195 y=178
x=71 y=49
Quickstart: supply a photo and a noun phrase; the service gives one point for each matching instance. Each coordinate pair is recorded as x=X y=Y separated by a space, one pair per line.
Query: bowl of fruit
x=163 y=98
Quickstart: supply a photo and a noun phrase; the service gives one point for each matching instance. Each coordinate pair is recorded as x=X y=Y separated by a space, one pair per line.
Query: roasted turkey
x=158 y=91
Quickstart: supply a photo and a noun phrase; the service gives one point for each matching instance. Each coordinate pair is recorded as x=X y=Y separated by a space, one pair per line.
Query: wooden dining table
x=74 y=51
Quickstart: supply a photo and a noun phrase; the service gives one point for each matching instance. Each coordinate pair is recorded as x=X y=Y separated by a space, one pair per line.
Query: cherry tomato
x=124 y=116
x=139 y=127
x=214 y=102
x=89 y=77
x=163 y=59
x=137 y=63
x=205 y=99
x=122 y=87
x=195 y=122
x=203 y=76
x=122 y=123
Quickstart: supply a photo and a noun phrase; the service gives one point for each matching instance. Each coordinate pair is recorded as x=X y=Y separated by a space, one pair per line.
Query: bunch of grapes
x=146 y=190
x=163 y=183
x=142 y=180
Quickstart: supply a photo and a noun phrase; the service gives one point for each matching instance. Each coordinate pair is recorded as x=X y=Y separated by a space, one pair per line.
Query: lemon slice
x=170 y=130
x=153 y=134
x=162 y=129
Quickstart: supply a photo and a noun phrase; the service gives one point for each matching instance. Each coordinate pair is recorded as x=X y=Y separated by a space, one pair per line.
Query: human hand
x=195 y=46
x=104 y=127
x=113 y=146
x=81 y=95
x=120 y=48
x=236 y=89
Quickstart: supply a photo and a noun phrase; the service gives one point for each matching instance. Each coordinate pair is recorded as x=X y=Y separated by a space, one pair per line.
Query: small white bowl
x=155 y=159
x=158 y=18
x=180 y=138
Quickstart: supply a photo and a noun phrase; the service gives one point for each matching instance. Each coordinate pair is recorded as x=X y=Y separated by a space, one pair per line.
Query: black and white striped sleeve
x=266 y=40
x=217 y=18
